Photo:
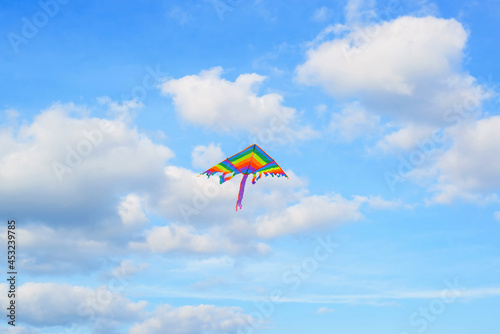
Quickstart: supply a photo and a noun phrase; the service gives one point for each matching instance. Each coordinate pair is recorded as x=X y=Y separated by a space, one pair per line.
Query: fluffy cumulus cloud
x=81 y=163
x=42 y=250
x=310 y=213
x=409 y=72
x=193 y=320
x=131 y=210
x=208 y=100
x=65 y=174
x=53 y=304
x=405 y=138
x=163 y=239
x=78 y=308
x=469 y=168
x=408 y=68
x=392 y=60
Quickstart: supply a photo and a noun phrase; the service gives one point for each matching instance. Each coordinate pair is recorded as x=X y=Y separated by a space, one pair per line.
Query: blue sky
x=384 y=114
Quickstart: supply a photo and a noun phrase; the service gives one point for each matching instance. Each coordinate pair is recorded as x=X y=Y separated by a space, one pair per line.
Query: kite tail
x=242 y=190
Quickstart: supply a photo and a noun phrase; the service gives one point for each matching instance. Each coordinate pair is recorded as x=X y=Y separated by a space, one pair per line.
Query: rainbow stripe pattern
x=252 y=160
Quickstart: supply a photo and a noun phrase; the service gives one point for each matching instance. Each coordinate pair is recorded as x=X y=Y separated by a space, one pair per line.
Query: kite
x=252 y=160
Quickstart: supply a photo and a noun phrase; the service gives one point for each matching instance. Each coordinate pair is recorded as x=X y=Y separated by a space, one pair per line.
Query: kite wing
x=252 y=160
x=226 y=169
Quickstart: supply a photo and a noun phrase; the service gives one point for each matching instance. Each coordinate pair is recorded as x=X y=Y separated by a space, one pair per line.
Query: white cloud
x=102 y=160
x=353 y=121
x=390 y=61
x=497 y=215
x=204 y=157
x=129 y=268
x=193 y=320
x=42 y=250
x=316 y=212
x=410 y=72
x=408 y=68
x=469 y=168
x=163 y=239
x=52 y=304
x=131 y=210
x=311 y=212
x=222 y=105
x=405 y=138
x=82 y=164
x=209 y=100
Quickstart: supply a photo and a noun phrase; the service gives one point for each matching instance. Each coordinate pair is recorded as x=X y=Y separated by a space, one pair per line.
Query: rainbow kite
x=252 y=160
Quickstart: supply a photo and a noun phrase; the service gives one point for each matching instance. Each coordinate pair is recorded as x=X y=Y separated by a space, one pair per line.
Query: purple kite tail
x=242 y=190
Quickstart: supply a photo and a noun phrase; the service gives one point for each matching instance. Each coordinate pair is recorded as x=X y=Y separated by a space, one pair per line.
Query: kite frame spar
x=234 y=165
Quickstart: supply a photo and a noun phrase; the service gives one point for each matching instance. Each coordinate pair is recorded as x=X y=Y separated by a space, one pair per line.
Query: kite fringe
x=256 y=176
